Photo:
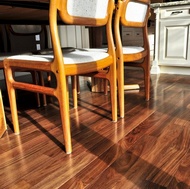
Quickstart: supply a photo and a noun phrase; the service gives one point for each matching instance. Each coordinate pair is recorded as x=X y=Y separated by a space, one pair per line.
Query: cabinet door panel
x=174 y=43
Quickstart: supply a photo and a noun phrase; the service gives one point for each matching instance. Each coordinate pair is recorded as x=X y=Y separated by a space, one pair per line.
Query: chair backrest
x=84 y=12
x=134 y=13
x=26 y=38
x=91 y=13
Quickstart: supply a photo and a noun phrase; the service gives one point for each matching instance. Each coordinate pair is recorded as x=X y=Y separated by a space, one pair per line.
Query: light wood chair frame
x=61 y=70
x=131 y=59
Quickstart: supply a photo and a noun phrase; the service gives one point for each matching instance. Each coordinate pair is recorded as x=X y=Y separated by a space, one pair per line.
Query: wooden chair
x=88 y=13
x=21 y=39
x=130 y=13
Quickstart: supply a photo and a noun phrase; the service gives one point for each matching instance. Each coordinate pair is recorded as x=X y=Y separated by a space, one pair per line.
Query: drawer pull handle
x=177 y=12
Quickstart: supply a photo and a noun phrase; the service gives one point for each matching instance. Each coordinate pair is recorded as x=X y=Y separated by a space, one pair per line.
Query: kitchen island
x=172 y=38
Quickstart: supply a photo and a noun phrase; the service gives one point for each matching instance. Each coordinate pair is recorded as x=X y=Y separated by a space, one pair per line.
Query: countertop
x=168 y=4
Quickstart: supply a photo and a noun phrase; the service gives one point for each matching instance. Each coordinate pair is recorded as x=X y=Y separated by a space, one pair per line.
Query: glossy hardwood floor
x=148 y=149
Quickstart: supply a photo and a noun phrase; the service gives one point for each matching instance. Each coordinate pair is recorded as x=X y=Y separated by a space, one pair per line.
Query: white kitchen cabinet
x=172 y=38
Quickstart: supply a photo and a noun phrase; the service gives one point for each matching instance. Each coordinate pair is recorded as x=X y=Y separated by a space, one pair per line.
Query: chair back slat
x=87 y=9
x=92 y=13
x=135 y=13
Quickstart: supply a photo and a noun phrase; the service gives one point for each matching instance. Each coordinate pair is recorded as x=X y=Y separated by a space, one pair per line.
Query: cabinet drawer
x=132 y=43
x=127 y=34
x=173 y=13
x=135 y=35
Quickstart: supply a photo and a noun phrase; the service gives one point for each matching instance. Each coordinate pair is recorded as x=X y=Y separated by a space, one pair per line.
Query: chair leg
x=13 y=106
x=113 y=92
x=41 y=80
x=120 y=79
x=147 y=79
x=49 y=78
x=74 y=81
x=12 y=101
x=40 y=74
x=78 y=85
x=34 y=78
x=63 y=98
x=147 y=87
x=105 y=87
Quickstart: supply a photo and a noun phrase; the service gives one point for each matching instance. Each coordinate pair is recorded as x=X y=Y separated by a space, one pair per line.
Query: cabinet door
x=174 y=42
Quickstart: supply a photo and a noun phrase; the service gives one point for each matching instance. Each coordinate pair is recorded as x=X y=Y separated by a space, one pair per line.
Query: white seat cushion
x=70 y=57
x=87 y=9
x=136 y=12
x=6 y=55
x=132 y=49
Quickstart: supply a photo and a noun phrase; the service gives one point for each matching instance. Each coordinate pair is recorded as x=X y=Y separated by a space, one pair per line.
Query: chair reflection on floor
x=69 y=63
